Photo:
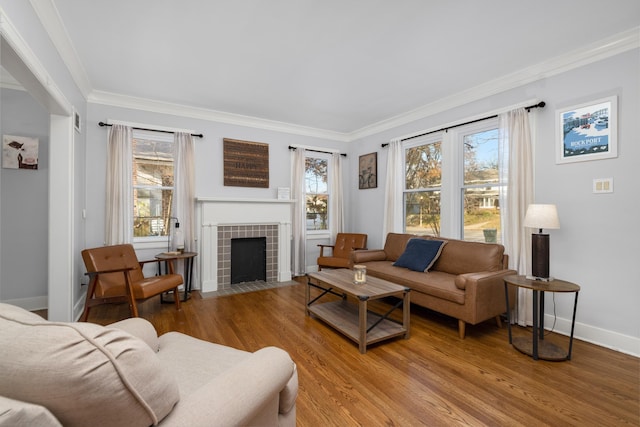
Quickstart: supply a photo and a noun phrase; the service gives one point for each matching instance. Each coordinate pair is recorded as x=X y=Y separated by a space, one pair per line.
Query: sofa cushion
x=72 y=369
x=420 y=254
x=460 y=257
x=18 y=413
x=395 y=244
x=433 y=283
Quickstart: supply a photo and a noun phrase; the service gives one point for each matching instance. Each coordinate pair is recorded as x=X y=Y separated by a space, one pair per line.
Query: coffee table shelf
x=344 y=317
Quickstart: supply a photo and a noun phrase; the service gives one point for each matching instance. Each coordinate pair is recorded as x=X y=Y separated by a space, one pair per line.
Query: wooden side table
x=188 y=269
x=537 y=347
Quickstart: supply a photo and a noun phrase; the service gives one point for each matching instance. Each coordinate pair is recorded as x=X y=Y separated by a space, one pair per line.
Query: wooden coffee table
x=350 y=315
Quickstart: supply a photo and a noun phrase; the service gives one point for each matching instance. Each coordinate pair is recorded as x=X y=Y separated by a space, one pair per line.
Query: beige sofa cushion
x=17 y=413
x=74 y=369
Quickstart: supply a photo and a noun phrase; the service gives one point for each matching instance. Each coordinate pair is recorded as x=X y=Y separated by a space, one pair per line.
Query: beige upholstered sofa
x=82 y=374
x=465 y=282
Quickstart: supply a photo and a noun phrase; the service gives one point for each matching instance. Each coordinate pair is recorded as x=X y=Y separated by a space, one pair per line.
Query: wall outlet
x=603 y=185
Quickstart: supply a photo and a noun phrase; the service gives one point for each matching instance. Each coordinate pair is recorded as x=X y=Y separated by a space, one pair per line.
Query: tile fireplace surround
x=223 y=219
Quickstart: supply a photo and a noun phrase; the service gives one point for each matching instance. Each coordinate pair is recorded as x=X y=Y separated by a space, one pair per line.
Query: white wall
x=24 y=206
x=595 y=246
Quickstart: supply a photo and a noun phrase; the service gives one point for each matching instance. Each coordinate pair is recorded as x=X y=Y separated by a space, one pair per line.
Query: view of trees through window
x=481 y=187
x=317 y=191
x=423 y=172
x=152 y=187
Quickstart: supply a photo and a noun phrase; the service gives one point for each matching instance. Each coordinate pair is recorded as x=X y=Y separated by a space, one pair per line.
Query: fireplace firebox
x=248 y=259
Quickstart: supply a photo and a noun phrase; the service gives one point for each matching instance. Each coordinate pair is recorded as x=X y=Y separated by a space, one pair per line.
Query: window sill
x=318 y=236
x=154 y=244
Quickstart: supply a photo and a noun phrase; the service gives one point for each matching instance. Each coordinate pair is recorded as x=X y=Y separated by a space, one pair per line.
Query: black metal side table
x=537 y=347
x=188 y=269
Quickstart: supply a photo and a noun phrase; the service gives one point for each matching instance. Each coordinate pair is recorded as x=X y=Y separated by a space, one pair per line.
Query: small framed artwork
x=19 y=152
x=77 y=123
x=587 y=131
x=368 y=171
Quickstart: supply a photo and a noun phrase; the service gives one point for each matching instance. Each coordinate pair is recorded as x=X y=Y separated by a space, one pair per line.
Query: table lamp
x=541 y=216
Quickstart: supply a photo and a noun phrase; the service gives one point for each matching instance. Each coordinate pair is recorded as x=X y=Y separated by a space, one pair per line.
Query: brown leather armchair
x=116 y=276
x=341 y=250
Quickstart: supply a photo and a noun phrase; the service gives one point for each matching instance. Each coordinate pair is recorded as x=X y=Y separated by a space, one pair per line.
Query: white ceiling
x=335 y=65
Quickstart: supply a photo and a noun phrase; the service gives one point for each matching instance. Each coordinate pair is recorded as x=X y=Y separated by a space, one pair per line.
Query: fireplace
x=228 y=234
x=225 y=219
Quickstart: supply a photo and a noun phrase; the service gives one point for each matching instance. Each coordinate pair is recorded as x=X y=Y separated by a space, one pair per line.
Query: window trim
x=150 y=241
x=432 y=138
x=458 y=141
x=452 y=179
x=316 y=234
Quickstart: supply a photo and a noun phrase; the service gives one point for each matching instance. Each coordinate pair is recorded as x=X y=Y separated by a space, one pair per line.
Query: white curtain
x=516 y=167
x=336 y=202
x=119 y=197
x=184 y=184
x=299 y=223
x=393 y=203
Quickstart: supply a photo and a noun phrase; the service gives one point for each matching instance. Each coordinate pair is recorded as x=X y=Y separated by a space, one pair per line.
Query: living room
x=591 y=247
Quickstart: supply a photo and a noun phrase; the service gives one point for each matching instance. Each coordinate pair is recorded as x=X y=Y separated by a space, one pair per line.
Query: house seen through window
x=152 y=186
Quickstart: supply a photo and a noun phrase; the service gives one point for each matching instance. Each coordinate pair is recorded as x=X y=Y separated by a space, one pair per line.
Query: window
x=316 y=184
x=423 y=172
x=452 y=183
x=481 y=186
x=152 y=185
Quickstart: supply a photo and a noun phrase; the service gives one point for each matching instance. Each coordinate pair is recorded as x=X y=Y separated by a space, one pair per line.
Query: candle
x=359 y=274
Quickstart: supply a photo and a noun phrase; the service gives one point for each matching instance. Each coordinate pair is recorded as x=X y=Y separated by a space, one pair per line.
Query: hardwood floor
x=433 y=379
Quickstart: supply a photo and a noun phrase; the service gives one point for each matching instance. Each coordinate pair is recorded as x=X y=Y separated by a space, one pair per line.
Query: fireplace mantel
x=240 y=200
x=217 y=212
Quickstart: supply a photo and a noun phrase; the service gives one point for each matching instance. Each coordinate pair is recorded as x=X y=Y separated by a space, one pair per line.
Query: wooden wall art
x=246 y=163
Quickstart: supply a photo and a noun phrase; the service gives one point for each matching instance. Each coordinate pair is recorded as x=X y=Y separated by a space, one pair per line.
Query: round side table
x=537 y=347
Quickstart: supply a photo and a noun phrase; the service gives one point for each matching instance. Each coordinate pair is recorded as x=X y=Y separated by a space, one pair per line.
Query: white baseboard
x=30 y=304
x=594 y=335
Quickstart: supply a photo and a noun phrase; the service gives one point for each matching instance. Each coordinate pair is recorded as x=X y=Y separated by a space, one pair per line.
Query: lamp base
x=540 y=255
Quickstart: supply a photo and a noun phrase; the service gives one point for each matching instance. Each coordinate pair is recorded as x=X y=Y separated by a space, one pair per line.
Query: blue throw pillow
x=420 y=254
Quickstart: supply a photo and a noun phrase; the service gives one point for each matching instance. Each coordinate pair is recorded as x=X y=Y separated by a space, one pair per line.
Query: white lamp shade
x=542 y=216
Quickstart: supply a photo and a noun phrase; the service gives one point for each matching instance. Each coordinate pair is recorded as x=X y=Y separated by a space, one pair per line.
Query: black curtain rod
x=199 y=135
x=291 y=147
x=540 y=104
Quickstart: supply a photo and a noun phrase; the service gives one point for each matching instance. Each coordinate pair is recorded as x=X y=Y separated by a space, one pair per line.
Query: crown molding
x=52 y=23
x=600 y=50
x=125 y=101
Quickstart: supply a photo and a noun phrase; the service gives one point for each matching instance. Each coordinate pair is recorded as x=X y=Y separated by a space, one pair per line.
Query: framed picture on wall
x=19 y=152
x=368 y=171
x=587 y=131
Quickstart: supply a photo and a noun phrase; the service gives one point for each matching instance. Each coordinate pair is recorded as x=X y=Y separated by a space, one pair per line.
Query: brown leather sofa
x=466 y=281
